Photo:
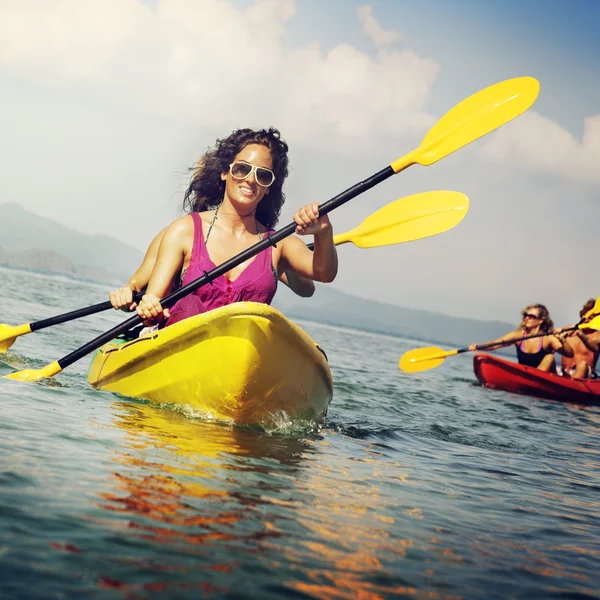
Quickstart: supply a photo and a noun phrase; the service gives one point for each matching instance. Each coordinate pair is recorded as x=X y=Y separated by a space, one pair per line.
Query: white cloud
x=537 y=143
x=379 y=36
x=209 y=63
x=204 y=67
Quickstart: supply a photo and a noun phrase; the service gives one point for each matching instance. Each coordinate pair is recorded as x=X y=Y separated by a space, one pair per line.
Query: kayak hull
x=497 y=373
x=243 y=363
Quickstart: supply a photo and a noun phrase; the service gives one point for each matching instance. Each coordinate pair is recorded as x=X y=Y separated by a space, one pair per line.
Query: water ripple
x=415 y=486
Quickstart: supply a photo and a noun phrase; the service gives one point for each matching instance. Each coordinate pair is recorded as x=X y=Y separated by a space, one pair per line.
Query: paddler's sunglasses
x=240 y=170
x=530 y=316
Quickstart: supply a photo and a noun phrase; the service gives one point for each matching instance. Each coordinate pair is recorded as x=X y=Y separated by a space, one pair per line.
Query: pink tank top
x=256 y=283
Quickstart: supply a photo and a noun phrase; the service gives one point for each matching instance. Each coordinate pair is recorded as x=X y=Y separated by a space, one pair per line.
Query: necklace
x=212 y=222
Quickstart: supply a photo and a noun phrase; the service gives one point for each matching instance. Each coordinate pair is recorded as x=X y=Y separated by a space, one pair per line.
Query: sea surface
x=415 y=486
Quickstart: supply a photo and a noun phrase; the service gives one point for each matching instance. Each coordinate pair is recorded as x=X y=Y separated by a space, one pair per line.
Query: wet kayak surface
x=415 y=486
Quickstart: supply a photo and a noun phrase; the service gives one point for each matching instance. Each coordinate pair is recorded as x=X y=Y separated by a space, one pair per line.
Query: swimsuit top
x=531 y=359
x=256 y=283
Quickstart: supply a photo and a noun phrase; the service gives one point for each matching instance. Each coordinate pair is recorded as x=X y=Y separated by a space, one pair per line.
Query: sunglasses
x=240 y=170
x=530 y=316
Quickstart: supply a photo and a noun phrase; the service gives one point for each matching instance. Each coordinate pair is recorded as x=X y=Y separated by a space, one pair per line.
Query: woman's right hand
x=151 y=310
x=472 y=348
x=122 y=298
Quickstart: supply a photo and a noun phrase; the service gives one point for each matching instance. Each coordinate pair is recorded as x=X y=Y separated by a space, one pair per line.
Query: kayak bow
x=505 y=375
x=244 y=363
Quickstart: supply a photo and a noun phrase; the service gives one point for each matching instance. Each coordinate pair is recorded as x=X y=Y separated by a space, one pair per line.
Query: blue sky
x=106 y=104
x=480 y=41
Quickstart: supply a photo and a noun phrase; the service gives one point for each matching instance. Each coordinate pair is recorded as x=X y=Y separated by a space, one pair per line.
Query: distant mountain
x=46 y=261
x=28 y=241
x=31 y=241
x=337 y=308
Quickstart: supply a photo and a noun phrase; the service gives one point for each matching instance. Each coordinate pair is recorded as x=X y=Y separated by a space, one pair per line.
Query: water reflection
x=217 y=504
x=193 y=490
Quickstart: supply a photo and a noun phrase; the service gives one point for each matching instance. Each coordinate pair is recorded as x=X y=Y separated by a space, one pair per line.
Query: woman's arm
x=505 y=340
x=171 y=254
x=560 y=344
x=322 y=263
x=299 y=285
x=122 y=298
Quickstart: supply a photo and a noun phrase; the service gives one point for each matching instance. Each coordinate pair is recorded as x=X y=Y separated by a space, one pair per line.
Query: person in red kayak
x=586 y=348
x=235 y=197
x=537 y=352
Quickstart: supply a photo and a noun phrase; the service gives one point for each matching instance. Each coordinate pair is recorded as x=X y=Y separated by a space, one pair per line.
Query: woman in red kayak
x=537 y=352
x=235 y=197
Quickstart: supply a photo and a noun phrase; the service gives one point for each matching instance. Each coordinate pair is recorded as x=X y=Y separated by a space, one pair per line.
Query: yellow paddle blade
x=595 y=310
x=411 y=218
x=423 y=359
x=36 y=375
x=473 y=118
x=593 y=324
x=8 y=334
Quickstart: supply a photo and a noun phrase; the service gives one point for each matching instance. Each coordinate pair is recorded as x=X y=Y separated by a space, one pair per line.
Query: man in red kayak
x=586 y=349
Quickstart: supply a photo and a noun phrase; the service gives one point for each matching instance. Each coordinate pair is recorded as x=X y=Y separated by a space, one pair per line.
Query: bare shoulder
x=181 y=225
x=517 y=334
x=180 y=232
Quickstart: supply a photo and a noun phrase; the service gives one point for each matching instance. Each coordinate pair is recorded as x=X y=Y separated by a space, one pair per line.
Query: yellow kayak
x=244 y=363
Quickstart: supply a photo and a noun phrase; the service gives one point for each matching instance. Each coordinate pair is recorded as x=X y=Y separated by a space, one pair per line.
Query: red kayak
x=505 y=375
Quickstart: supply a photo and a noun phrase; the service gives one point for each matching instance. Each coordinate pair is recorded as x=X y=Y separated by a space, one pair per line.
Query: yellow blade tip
x=35 y=374
x=6 y=344
x=8 y=334
x=24 y=375
x=6 y=337
x=405 y=362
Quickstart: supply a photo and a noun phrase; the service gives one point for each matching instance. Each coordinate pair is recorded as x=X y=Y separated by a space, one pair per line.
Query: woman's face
x=531 y=318
x=247 y=191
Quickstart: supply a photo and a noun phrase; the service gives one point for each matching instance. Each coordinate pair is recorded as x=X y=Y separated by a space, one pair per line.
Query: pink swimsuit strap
x=539 y=346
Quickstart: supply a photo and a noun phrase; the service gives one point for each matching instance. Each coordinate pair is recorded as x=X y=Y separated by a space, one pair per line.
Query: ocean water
x=415 y=486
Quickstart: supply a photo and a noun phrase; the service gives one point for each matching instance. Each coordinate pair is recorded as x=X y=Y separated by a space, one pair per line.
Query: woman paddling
x=236 y=196
x=122 y=298
x=537 y=352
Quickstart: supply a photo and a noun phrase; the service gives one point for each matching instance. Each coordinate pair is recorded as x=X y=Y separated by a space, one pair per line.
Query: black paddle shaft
x=529 y=337
x=78 y=314
x=233 y=262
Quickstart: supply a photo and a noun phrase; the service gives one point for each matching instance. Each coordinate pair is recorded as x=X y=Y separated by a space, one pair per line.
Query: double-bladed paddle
x=423 y=359
x=469 y=120
x=405 y=220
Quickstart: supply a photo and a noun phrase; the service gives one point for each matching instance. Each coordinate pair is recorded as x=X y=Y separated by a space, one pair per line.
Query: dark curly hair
x=206 y=189
x=587 y=307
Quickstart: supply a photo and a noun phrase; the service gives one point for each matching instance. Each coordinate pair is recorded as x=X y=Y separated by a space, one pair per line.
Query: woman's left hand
x=309 y=222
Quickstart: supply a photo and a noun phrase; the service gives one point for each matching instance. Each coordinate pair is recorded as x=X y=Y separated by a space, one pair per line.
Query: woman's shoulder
x=181 y=225
x=515 y=335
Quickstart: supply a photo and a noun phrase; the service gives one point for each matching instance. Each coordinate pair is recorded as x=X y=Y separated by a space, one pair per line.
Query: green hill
x=337 y=308
x=26 y=237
